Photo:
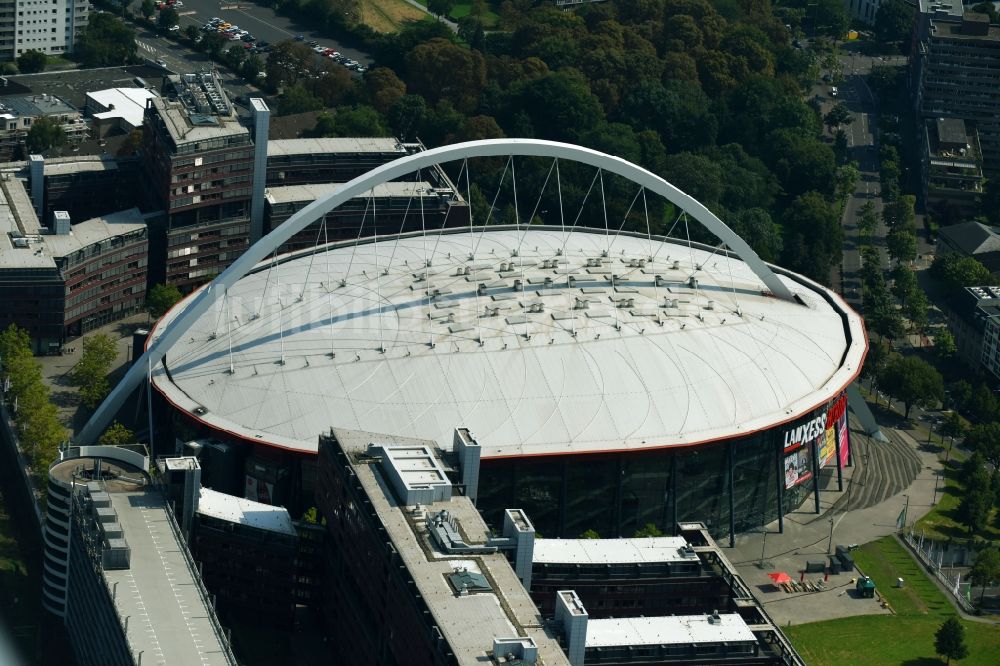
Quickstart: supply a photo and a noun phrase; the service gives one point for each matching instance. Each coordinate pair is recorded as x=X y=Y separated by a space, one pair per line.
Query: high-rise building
x=199 y=168
x=49 y=26
x=956 y=60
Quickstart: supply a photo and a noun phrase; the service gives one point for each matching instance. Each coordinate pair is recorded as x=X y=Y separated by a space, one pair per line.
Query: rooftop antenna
x=493 y=206
x=607 y=250
x=361 y=229
x=472 y=253
x=378 y=280
x=281 y=331
x=229 y=331
x=267 y=280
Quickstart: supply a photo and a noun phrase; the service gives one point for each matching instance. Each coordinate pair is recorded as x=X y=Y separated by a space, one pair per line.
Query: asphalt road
x=862 y=144
x=262 y=22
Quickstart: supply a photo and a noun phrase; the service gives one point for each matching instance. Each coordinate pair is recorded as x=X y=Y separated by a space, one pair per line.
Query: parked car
x=299 y=38
x=833 y=91
x=174 y=28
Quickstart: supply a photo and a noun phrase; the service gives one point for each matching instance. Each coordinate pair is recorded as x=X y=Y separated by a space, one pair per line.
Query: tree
x=590 y=534
x=837 y=116
x=986 y=570
x=439 y=69
x=949 y=641
x=988 y=9
x=958 y=272
x=813 y=236
x=648 y=530
x=14 y=343
x=904 y=283
x=901 y=244
x=979 y=496
x=192 y=33
x=407 y=116
x=915 y=309
x=840 y=147
x=107 y=41
x=358 y=120
x=45 y=133
x=944 y=344
x=161 y=298
x=384 y=88
x=984 y=439
x=953 y=426
x=893 y=22
x=760 y=231
x=867 y=219
x=168 y=17
x=90 y=374
x=298 y=100
x=912 y=380
x=117 y=435
x=147 y=8
x=31 y=61
x=440 y=7
x=899 y=212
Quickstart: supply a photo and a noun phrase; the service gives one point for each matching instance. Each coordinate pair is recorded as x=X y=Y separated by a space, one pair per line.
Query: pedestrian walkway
x=886 y=477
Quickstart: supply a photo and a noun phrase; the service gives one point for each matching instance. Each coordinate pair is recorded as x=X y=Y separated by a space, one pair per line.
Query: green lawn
x=887 y=640
x=906 y=638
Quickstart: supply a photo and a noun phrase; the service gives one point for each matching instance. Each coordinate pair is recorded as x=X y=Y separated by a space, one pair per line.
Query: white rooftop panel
x=609 y=551
x=245 y=512
x=668 y=630
x=378 y=354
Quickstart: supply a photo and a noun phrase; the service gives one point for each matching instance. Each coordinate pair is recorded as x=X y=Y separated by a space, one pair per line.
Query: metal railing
x=924 y=550
x=206 y=598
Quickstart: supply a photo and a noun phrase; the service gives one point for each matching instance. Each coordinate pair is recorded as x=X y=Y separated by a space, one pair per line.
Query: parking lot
x=262 y=22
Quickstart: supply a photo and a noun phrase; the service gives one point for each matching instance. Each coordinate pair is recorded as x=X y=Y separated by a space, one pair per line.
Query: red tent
x=779 y=577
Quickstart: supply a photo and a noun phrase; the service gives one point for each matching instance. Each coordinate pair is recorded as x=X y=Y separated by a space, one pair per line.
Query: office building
x=973 y=316
x=198 y=161
x=956 y=55
x=952 y=168
x=37 y=25
x=61 y=281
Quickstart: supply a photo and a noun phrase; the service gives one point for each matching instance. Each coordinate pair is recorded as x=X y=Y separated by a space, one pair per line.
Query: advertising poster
x=797 y=468
x=258 y=491
x=828 y=446
x=844 y=439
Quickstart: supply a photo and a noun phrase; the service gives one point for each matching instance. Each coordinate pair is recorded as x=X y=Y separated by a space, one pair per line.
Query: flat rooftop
x=245 y=512
x=59 y=166
x=540 y=353
x=309 y=193
x=346 y=145
x=129 y=103
x=96 y=230
x=168 y=618
x=611 y=551
x=468 y=623
x=668 y=630
x=18 y=218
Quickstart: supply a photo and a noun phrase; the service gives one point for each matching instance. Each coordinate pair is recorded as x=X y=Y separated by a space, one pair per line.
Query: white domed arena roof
x=538 y=340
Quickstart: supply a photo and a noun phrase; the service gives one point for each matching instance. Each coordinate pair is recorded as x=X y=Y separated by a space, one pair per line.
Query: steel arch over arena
x=612 y=379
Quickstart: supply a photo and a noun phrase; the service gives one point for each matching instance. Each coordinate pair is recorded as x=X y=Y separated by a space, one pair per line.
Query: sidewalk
x=807 y=535
x=56 y=369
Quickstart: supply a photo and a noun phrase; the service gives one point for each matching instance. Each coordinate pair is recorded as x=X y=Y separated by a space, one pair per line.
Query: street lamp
x=829 y=546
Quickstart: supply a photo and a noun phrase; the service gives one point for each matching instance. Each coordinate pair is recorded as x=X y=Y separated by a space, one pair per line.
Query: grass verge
x=906 y=638
x=388 y=16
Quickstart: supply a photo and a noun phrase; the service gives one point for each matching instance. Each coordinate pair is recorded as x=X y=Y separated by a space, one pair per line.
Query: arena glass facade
x=732 y=486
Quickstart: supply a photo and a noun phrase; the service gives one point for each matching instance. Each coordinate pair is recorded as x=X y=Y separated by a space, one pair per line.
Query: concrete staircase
x=883 y=469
